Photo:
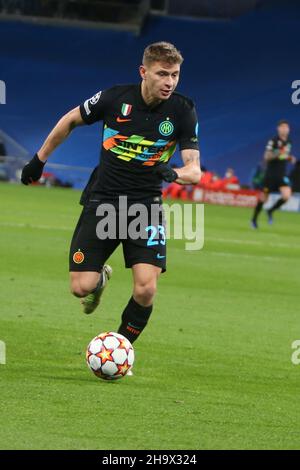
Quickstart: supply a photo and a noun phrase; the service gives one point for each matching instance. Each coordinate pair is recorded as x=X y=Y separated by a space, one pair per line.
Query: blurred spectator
x=206 y=179
x=215 y=182
x=230 y=180
x=178 y=191
x=211 y=180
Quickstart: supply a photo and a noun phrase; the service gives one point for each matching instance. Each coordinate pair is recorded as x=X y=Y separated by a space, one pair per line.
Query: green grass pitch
x=213 y=368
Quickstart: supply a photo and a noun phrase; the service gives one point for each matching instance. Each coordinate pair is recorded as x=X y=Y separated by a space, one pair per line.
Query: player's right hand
x=32 y=171
x=166 y=173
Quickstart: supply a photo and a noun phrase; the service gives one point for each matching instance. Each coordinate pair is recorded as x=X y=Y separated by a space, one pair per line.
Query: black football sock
x=134 y=319
x=277 y=204
x=257 y=210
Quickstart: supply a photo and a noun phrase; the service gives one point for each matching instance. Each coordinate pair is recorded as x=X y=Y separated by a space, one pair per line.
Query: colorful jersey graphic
x=136 y=147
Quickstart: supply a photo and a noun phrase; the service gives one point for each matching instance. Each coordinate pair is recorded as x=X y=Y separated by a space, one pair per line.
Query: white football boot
x=92 y=300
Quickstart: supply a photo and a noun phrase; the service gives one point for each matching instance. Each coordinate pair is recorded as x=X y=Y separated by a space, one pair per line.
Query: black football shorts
x=273 y=183
x=99 y=232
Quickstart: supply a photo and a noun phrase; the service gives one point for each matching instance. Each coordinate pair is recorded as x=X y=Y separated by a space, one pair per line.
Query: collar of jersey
x=141 y=103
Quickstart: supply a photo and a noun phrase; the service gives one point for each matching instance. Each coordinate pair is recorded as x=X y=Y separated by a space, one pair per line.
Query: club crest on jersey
x=78 y=257
x=126 y=109
x=166 y=128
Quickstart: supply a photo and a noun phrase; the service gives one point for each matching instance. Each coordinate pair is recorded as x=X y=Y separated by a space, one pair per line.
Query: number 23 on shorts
x=157 y=235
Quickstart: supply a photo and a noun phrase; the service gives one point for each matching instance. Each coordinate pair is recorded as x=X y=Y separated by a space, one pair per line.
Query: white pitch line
x=227 y=254
x=243 y=255
x=252 y=242
x=212 y=239
x=42 y=227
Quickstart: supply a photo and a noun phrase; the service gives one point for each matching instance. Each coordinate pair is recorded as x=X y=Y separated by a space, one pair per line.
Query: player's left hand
x=166 y=173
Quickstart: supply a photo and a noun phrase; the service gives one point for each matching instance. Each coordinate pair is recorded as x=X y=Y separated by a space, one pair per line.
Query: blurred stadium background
x=239 y=66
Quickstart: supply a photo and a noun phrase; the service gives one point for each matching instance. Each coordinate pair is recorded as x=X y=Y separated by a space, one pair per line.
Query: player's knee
x=264 y=196
x=286 y=197
x=82 y=288
x=86 y=286
x=286 y=193
x=144 y=292
x=75 y=290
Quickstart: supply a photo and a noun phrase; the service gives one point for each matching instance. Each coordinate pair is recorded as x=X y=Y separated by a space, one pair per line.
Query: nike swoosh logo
x=159 y=256
x=122 y=120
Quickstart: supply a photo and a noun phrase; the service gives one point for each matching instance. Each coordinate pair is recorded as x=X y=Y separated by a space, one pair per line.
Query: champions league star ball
x=110 y=356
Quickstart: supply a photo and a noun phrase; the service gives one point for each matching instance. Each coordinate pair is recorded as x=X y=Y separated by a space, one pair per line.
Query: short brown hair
x=283 y=121
x=162 y=52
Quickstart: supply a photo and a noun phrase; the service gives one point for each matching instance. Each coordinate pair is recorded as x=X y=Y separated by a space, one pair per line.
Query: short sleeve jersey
x=281 y=150
x=136 y=138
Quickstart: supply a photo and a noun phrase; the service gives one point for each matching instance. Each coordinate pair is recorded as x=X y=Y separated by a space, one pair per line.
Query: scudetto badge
x=78 y=257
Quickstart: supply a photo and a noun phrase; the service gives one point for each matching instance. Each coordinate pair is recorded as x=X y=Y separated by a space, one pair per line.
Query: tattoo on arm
x=191 y=157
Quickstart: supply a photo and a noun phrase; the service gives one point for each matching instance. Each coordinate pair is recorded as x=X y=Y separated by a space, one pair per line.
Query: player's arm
x=190 y=173
x=89 y=112
x=270 y=154
x=33 y=170
x=60 y=132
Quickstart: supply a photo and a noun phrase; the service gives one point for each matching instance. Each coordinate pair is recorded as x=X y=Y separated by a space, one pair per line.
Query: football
x=110 y=356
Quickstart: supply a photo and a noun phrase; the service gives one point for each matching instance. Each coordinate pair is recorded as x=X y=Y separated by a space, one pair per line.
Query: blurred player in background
x=142 y=125
x=276 y=157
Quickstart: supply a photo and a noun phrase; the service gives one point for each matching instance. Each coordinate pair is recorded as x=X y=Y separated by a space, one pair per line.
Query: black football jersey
x=281 y=150
x=135 y=139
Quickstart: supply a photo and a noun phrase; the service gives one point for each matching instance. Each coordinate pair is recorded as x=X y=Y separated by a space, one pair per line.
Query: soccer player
x=142 y=124
x=276 y=156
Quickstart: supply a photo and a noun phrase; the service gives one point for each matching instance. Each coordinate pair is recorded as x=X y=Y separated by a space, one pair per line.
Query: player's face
x=160 y=79
x=283 y=130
